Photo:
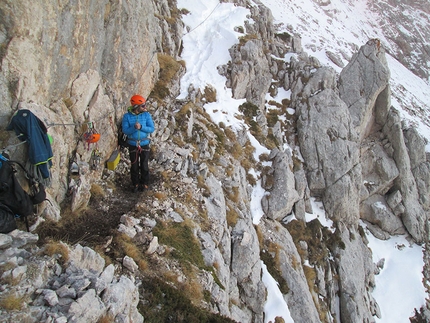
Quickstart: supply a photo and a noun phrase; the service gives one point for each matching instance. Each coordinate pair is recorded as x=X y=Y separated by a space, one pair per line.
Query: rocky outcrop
x=75 y=288
x=352 y=162
x=414 y=217
x=283 y=194
x=362 y=86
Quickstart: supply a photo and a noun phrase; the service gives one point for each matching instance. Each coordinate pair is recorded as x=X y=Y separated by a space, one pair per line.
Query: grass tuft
x=11 y=302
x=106 y=319
x=169 y=68
x=166 y=303
x=181 y=238
x=57 y=248
x=126 y=246
x=97 y=191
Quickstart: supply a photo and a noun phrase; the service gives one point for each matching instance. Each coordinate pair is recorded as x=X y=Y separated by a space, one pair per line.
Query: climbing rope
x=149 y=62
x=7 y=148
x=203 y=20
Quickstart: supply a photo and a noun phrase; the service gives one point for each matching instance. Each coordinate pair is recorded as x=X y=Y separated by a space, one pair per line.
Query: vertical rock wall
x=78 y=62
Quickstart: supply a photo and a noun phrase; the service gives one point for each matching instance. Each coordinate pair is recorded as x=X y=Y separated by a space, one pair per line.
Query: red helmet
x=137 y=100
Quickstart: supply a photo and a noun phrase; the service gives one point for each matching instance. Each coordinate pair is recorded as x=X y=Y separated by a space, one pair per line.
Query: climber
x=137 y=124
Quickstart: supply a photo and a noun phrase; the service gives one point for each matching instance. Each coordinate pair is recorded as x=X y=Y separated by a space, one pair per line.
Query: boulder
x=379 y=170
x=376 y=211
x=87 y=308
x=86 y=258
x=121 y=298
x=361 y=83
x=283 y=194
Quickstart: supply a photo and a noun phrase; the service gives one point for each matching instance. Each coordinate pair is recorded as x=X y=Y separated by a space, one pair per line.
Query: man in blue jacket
x=137 y=124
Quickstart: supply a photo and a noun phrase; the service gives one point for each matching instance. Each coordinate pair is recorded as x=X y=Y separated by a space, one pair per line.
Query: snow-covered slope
x=332 y=30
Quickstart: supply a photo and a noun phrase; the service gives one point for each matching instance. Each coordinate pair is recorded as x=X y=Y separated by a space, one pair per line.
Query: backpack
x=13 y=197
x=7 y=219
x=37 y=189
x=122 y=138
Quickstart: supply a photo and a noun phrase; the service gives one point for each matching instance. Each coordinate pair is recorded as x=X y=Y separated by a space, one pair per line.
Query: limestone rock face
x=72 y=42
x=361 y=83
x=283 y=194
x=300 y=298
x=329 y=144
x=354 y=295
x=414 y=216
x=248 y=79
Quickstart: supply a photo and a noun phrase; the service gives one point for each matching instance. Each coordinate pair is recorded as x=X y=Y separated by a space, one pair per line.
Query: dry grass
x=165 y=175
x=195 y=155
x=97 y=191
x=272 y=117
x=260 y=235
x=310 y=275
x=216 y=265
x=169 y=68
x=11 y=302
x=230 y=134
x=142 y=264
x=270 y=256
x=178 y=141
x=232 y=216
x=202 y=184
x=57 y=248
x=102 y=252
x=229 y=171
x=248 y=150
x=129 y=248
x=193 y=290
x=210 y=94
x=244 y=39
x=9 y=280
x=68 y=102
x=6 y=267
x=160 y=196
x=274 y=248
x=106 y=319
x=251 y=179
x=233 y=195
x=270 y=141
x=180 y=236
x=185 y=111
x=205 y=224
x=246 y=164
x=269 y=181
x=236 y=151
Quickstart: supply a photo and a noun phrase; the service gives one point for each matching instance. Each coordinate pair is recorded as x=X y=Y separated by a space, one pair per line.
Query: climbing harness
x=139 y=150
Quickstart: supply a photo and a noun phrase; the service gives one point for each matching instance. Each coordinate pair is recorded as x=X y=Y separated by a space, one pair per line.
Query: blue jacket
x=137 y=136
x=30 y=128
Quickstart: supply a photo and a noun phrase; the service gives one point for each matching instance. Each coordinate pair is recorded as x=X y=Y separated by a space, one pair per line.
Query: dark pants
x=139 y=170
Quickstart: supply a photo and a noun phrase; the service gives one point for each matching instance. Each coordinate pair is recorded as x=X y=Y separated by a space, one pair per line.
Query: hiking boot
x=135 y=188
x=143 y=187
